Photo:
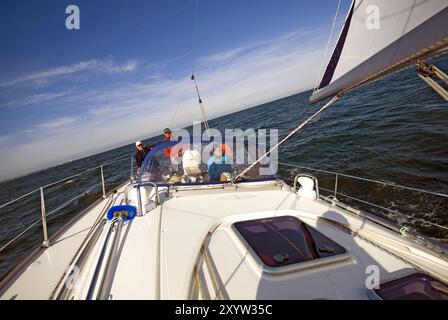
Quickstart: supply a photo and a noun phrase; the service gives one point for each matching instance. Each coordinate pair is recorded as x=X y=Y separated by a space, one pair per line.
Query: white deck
x=42 y=275
x=159 y=251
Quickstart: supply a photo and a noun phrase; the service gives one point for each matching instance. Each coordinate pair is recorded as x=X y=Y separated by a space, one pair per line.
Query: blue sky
x=125 y=74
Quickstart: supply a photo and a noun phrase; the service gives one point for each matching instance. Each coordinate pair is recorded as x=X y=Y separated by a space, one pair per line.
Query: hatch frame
x=294 y=267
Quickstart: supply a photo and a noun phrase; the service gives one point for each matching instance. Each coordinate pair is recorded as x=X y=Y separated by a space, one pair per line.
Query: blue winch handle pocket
x=126 y=212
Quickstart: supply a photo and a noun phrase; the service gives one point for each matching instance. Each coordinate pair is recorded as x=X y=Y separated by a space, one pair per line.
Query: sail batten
x=407 y=30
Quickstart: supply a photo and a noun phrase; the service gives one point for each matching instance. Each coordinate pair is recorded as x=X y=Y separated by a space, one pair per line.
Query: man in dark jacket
x=141 y=153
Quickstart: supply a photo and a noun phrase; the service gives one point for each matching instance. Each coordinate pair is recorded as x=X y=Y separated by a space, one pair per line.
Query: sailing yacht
x=189 y=228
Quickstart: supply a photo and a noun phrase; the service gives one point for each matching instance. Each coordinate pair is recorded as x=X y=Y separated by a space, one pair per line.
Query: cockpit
x=204 y=162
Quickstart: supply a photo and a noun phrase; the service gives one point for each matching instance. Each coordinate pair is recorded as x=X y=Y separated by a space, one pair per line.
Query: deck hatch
x=286 y=240
x=416 y=286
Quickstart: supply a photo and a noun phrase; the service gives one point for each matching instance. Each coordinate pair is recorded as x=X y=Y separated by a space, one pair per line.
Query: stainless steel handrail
x=139 y=196
x=17 y=199
x=316 y=182
x=384 y=183
x=112 y=260
x=156 y=188
x=79 y=258
x=78 y=265
x=61 y=180
x=99 y=264
x=386 y=209
x=85 y=171
x=56 y=210
x=156 y=191
x=46 y=243
x=335 y=191
x=44 y=214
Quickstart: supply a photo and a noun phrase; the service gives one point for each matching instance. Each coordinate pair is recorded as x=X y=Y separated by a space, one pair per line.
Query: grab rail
x=106 y=280
x=384 y=183
x=316 y=182
x=156 y=189
x=45 y=214
x=387 y=209
x=335 y=191
x=139 y=196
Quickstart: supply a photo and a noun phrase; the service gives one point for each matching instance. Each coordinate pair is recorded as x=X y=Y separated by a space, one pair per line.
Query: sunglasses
x=140 y=145
x=167 y=132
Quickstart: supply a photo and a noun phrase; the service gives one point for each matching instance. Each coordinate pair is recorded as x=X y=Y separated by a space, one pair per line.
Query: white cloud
x=244 y=77
x=33 y=99
x=4 y=138
x=241 y=77
x=98 y=66
x=109 y=67
x=56 y=123
x=222 y=56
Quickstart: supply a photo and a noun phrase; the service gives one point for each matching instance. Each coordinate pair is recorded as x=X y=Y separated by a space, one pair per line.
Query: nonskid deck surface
x=188 y=248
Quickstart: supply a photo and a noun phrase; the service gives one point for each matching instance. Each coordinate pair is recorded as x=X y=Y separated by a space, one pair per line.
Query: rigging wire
x=195 y=35
x=173 y=117
x=193 y=77
x=201 y=106
x=303 y=124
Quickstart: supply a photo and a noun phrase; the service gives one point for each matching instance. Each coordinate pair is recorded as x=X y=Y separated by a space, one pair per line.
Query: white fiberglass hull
x=186 y=248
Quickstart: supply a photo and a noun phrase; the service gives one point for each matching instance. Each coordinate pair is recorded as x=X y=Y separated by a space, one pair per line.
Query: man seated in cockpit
x=218 y=164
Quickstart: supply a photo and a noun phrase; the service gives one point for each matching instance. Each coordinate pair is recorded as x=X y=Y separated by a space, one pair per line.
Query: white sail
x=379 y=34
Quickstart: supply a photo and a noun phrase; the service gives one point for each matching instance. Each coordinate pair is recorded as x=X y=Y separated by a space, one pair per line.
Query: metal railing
x=44 y=214
x=43 y=210
x=383 y=183
x=137 y=186
x=335 y=192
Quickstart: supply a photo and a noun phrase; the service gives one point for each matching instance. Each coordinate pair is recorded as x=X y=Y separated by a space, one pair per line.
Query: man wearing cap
x=167 y=137
x=167 y=134
x=141 y=153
